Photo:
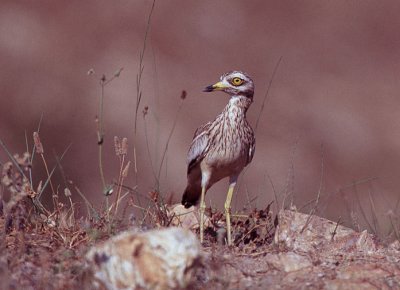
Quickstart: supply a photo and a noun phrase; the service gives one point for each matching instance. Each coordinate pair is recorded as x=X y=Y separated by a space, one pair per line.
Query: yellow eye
x=237 y=81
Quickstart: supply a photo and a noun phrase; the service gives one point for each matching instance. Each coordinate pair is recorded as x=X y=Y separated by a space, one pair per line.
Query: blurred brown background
x=334 y=97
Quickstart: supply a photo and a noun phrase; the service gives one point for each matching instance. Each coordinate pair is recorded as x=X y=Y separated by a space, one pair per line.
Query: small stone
x=288 y=262
x=187 y=218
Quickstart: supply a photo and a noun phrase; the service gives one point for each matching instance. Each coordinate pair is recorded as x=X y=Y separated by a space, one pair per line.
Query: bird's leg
x=232 y=183
x=202 y=210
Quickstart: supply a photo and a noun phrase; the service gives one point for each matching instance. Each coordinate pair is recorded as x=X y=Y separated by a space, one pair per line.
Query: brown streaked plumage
x=223 y=147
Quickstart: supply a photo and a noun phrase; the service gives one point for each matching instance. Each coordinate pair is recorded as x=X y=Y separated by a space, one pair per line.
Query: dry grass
x=42 y=242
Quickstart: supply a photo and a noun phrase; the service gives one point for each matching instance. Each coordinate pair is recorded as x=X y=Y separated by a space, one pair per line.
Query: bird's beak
x=216 y=87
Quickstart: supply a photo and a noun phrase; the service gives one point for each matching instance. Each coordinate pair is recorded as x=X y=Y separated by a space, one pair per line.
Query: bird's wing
x=201 y=129
x=199 y=146
x=252 y=149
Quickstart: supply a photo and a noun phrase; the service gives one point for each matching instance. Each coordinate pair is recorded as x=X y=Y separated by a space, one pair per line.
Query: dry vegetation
x=43 y=244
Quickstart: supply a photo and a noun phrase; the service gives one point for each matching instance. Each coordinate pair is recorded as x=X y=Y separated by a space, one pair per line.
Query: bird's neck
x=239 y=104
x=236 y=110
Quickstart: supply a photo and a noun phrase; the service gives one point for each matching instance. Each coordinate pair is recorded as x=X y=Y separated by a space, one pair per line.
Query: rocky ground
x=289 y=251
x=308 y=253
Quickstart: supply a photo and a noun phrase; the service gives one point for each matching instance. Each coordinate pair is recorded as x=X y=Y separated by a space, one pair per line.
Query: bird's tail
x=191 y=195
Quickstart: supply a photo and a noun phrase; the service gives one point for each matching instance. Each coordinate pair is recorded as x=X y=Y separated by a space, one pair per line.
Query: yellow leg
x=228 y=213
x=202 y=210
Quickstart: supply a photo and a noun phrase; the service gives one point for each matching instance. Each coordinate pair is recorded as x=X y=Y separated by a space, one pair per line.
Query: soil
x=301 y=252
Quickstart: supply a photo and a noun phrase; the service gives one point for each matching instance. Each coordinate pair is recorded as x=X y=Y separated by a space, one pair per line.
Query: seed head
x=145 y=111
x=38 y=144
x=124 y=146
x=183 y=95
x=117 y=145
x=67 y=192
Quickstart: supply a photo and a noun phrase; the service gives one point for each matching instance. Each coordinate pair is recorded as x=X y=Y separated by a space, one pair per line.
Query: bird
x=221 y=148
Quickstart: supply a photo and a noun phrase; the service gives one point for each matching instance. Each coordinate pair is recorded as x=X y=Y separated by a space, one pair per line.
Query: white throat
x=237 y=108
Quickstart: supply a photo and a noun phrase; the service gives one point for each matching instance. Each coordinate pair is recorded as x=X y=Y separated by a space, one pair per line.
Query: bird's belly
x=225 y=164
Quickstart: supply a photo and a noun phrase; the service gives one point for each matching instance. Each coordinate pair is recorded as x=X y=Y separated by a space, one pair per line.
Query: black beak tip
x=208 y=89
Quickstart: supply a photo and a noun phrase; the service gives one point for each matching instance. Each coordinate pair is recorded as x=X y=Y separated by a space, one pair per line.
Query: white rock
x=158 y=259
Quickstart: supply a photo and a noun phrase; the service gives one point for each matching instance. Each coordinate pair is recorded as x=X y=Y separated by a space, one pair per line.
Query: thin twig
x=373 y=213
x=52 y=172
x=138 y=88
x=249 y=232
x=100 y=122
x=266 y=94
x=335 y=230
x=37 y=130
x=168 y=140
x=29 y=159
x=61 y=168
x=290 y=174
x=156 y=111
x=123 y=173
x=100 y=133
x=394 y=227
x=362 y=210
x=54 y=196
x=87 y=202
x=148 y=150
x=40 y=151
x=67 y=191
x=12 y=158
x=275 y=193
x=314 y=209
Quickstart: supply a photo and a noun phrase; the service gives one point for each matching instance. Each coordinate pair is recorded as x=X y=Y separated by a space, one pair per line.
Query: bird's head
x=234 y=83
